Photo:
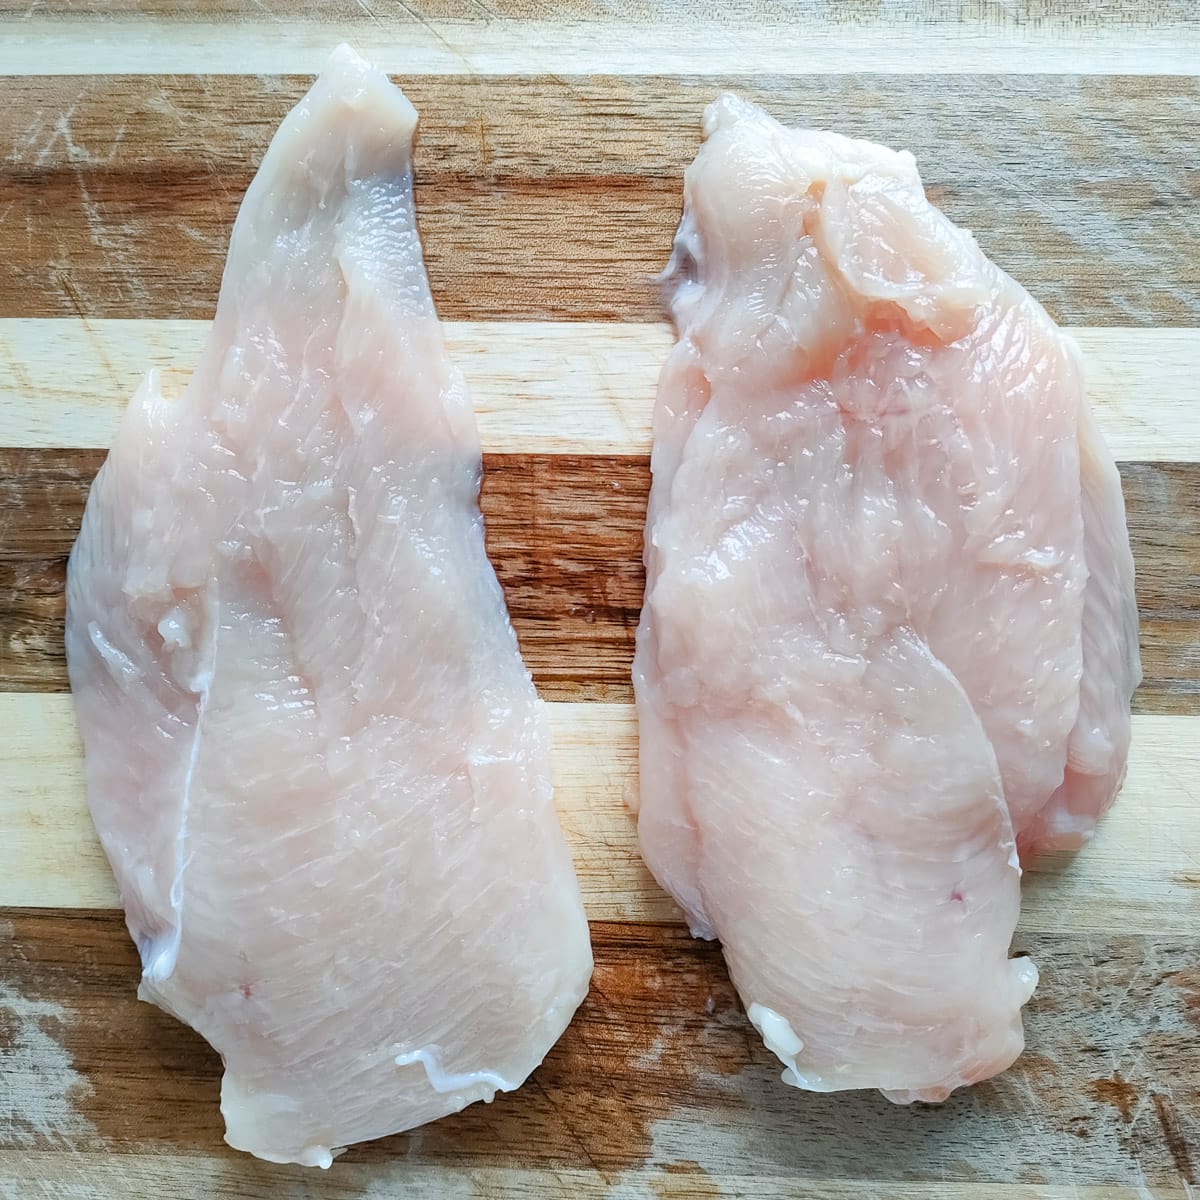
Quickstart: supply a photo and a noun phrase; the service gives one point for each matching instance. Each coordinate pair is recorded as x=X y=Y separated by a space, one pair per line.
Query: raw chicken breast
x=314 y=756
x=889 y=627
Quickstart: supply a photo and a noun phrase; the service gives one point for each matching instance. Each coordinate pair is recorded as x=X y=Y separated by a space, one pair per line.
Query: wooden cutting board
x=552 y=141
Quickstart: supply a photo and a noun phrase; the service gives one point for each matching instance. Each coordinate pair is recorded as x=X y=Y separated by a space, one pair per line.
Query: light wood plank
x=84 y=1176
x=1141 y=874
x=538 y=387
x=1143 y=384
x=618 y=39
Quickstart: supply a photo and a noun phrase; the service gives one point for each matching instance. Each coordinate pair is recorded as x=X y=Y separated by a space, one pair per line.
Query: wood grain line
x=537 y=387
x=622 y=38
x=556 y=198
x=565 y=536
x=1138 y=875
x=658 y=1088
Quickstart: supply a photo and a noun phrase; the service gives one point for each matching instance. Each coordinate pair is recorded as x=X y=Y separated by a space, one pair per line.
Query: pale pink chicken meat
x=889 y=630
x=314 y=756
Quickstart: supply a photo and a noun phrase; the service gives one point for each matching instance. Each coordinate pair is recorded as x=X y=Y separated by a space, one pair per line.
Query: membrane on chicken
x=889 y=630
x=314 y=756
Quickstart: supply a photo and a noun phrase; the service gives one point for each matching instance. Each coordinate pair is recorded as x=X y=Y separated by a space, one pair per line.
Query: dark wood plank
x=660 y=1069
x=557 y=197
x=565 y=535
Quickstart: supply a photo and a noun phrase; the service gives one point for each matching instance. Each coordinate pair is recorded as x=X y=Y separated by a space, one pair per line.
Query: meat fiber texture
x=314 y=756
x=889 y=632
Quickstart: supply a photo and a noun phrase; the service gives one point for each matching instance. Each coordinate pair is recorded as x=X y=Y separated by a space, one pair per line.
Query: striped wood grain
x=1061 y=131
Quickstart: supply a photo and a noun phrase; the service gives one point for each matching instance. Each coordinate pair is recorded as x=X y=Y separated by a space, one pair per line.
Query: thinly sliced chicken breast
x=314 y=756
x=889 y=627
